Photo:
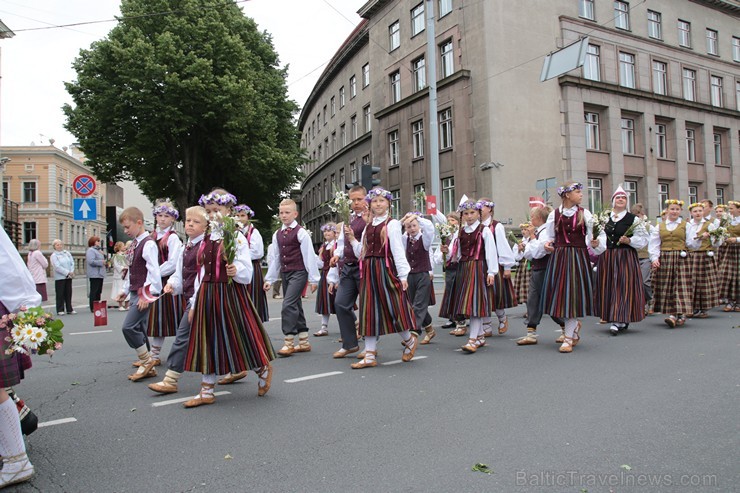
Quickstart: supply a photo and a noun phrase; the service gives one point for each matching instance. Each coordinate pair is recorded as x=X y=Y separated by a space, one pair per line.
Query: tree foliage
x=183 y=96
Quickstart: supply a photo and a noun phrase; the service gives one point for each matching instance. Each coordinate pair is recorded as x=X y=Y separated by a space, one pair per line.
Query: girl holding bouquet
x=730 y=267
x=705 y=295
x=244 y=215
x=326 y=294
x=523 y=272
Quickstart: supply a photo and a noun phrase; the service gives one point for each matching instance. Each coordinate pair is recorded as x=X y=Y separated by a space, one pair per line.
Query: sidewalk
x=80 y=289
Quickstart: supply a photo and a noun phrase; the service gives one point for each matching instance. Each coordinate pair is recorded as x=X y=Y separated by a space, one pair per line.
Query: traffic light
x=367 y=179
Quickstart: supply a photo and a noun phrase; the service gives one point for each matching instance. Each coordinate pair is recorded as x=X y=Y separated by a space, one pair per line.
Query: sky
x=35 y=64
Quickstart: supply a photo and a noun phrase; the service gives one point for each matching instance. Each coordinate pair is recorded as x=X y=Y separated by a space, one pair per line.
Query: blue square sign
x=85 y=209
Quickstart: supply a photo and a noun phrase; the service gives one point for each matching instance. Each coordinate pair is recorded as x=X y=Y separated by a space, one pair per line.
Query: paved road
x=663 y=403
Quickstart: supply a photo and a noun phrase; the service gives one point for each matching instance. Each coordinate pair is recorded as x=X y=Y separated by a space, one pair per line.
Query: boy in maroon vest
x=295 y=262
x=143 y=283
x=418 y=240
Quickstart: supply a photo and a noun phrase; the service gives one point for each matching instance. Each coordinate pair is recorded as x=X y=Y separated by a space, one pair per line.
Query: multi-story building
x=655 y=107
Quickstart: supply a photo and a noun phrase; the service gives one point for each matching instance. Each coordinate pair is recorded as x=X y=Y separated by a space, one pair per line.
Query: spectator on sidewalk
x=64 y=272
x=95 y=267
x=37 y=264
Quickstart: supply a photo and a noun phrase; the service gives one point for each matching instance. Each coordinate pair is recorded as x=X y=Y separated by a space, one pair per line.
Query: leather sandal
x=232 y=377
x=671 y=321
x=24 y=473
x=430 y=333
x=480 y=341
x=471 y=346
x=163 y=387
x=561 y=337
x=459 y=331
x=680 y=321
x=577 y=334
x=503 y=326
x=411 y=345
x=728 y=308
x=286 y=351
x=303 y=347
x=148 y=371
x=366 y=363
x=203 y=398
x=528 y=340
x=265 y=375
x=567 y=346
x=321 y=332
x=344 y=352
x=157 y=362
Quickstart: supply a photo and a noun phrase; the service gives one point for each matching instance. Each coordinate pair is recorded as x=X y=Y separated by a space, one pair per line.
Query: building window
x=333 y=105
x=716 y=90
x=342 y=135
x=592 y=131
x=394 y=36
x=655 y=30
x=661 y=141
x=393 y=156
x=448 y=195
x=594 y=194
x=737 y=94
x=445 y=129
x=591 y=69
x=684 y=33
x=417 y=131
x=341 y=97
x=417 y=19
x=29 y=191
x=626 y=69
x=690 y=145
x=621 y=15
x=396 y=204
x=352 y=87
x=717 y=148
x=418 y=67
x=586 y=9
x=6 y=190
x=664 y=193
x=445 y=7
x=366 y=160
x=736 y=48
x=448 y=65
x=353 y=171
x=712 y=47
x=318 y=122
x=365 y=75
x=631 y=188
x=320 y=148
x=693 y=194
x=395 y=86
x=367 y=118
x=689 y=84
x=324 y=115
x=334 y=142
x=60 y=197
x=353 y=127
x=29 y=231
x=341 y=177
x=720 y=195
x=660 y=77
x=628 y=136
x=61 y=232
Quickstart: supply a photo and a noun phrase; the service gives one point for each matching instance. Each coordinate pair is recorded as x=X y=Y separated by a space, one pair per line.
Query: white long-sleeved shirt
x=693 y=240
x=488 y=245
x=654 y=243
x=426 y=235
x=519 y=254
x=548 y=234
x=332 y=275
x=175 y=279
x=150 y=254
x=242 y=261
x=503 y=249
x=640 y=236
x=535 y=247
x=393 y=237
x=18 y=287
x=735 y=221
x=339 y=251
x=174 y=250
x=256 y=245
x=309 y=257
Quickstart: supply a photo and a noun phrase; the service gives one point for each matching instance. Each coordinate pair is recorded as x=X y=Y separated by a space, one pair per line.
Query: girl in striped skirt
x=166 y=311
x=705 y=294
x=620 y=297
x=226 y=333
x=729 y=276
x=523 y=271
x=671 y=278
x=384 y=305
x=567 y=292
x=477 y=268
x=244 y=215
x=325 y=294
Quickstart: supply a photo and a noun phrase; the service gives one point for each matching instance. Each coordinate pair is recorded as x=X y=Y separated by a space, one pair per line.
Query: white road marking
x=57 y=422
x=395 y=362
x=183 y=399
x=311 y=377
x=90 y=332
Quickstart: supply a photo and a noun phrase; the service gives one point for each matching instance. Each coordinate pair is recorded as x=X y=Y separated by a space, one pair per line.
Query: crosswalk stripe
x=183 y=399
x=57 y=422
x=312 y=377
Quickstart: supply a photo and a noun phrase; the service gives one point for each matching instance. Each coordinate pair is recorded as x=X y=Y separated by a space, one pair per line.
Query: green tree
x=183 y=96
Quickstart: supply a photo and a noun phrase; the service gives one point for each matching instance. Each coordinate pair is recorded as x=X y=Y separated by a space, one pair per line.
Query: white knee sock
x=570 y=326
x=156 y=343
x=371 y=343
x=476 y=326
x=11 y=437
x=486 y=320
x=324 y=320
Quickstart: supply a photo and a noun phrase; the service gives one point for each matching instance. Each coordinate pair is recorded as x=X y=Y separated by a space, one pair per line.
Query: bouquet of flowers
x=600 y=219
x=227 y=228
x=719 y=234
x=341 y=205
x=512 y=238
x=635 y=225
x=32 y=331
x=445 y=231
x=419 y=201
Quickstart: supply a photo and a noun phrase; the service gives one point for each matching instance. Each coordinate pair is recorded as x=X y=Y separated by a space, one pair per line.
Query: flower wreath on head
x=469 y=205
x=379 y=192
x=736 y=203
x=674 y=202
x=243 y=209
x=328 y=227
x=696 y=204
x=486 y=203
x=563 y=190
x=166 y=209
x=217 y=198
x=524 y=225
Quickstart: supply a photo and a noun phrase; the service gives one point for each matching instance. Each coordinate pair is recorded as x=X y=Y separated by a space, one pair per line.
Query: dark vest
x=417 y=256
x=539 y=263
x=190 y=269
x=374 y=244
x=137 y=270
x=162 y=246
x=291 y=259
x=212 y=260
x=358 y=226
x=326 y=255
x=614 y=231
x=471 y=244
x=568 y=233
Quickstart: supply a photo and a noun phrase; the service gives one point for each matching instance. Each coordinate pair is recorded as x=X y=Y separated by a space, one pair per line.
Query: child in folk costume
x=143 y=283
x=444 y=257
x=295 y=262
x=646 y=267
x=166 y=311
x=730 y=267
x=523 y=271
x=226 y=332
x=477 y=268
x=384 y=304
x=504 y=295
x=705 y=295
x=417 y=240
x=568 y=292
x=672 y=283
x=326 y=294
x=120 y=270
x=619 y=296
x=244 y=214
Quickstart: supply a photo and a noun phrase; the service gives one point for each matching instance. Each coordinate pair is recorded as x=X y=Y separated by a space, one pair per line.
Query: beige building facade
x=654 y=108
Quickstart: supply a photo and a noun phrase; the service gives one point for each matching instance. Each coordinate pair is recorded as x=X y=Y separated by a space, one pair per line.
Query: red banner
x=100 y=313
x=431 y=205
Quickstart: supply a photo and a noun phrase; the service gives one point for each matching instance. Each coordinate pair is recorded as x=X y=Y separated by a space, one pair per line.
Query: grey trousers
x=419 y=294
x=135 y=323
x=293 y=319
x=176 y=358
x=646 y=269
x=344 y=304
x=534 y=308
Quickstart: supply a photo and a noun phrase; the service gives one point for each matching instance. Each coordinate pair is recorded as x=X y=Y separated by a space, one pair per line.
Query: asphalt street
x=652 y=409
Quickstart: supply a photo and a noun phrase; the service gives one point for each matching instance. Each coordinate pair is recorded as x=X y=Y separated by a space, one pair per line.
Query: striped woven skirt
x=503 y=292
x=704 y=276
x=729 y=273
x=567 y=291
x=619 y=294
x=446 y=305
x=12 y=366
x=165 y=315
x=324 y=299
x=672 y=284
x=384 y=305
x=256 y=291
x=227 y=333
x=521 y=281
x=471 y=297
